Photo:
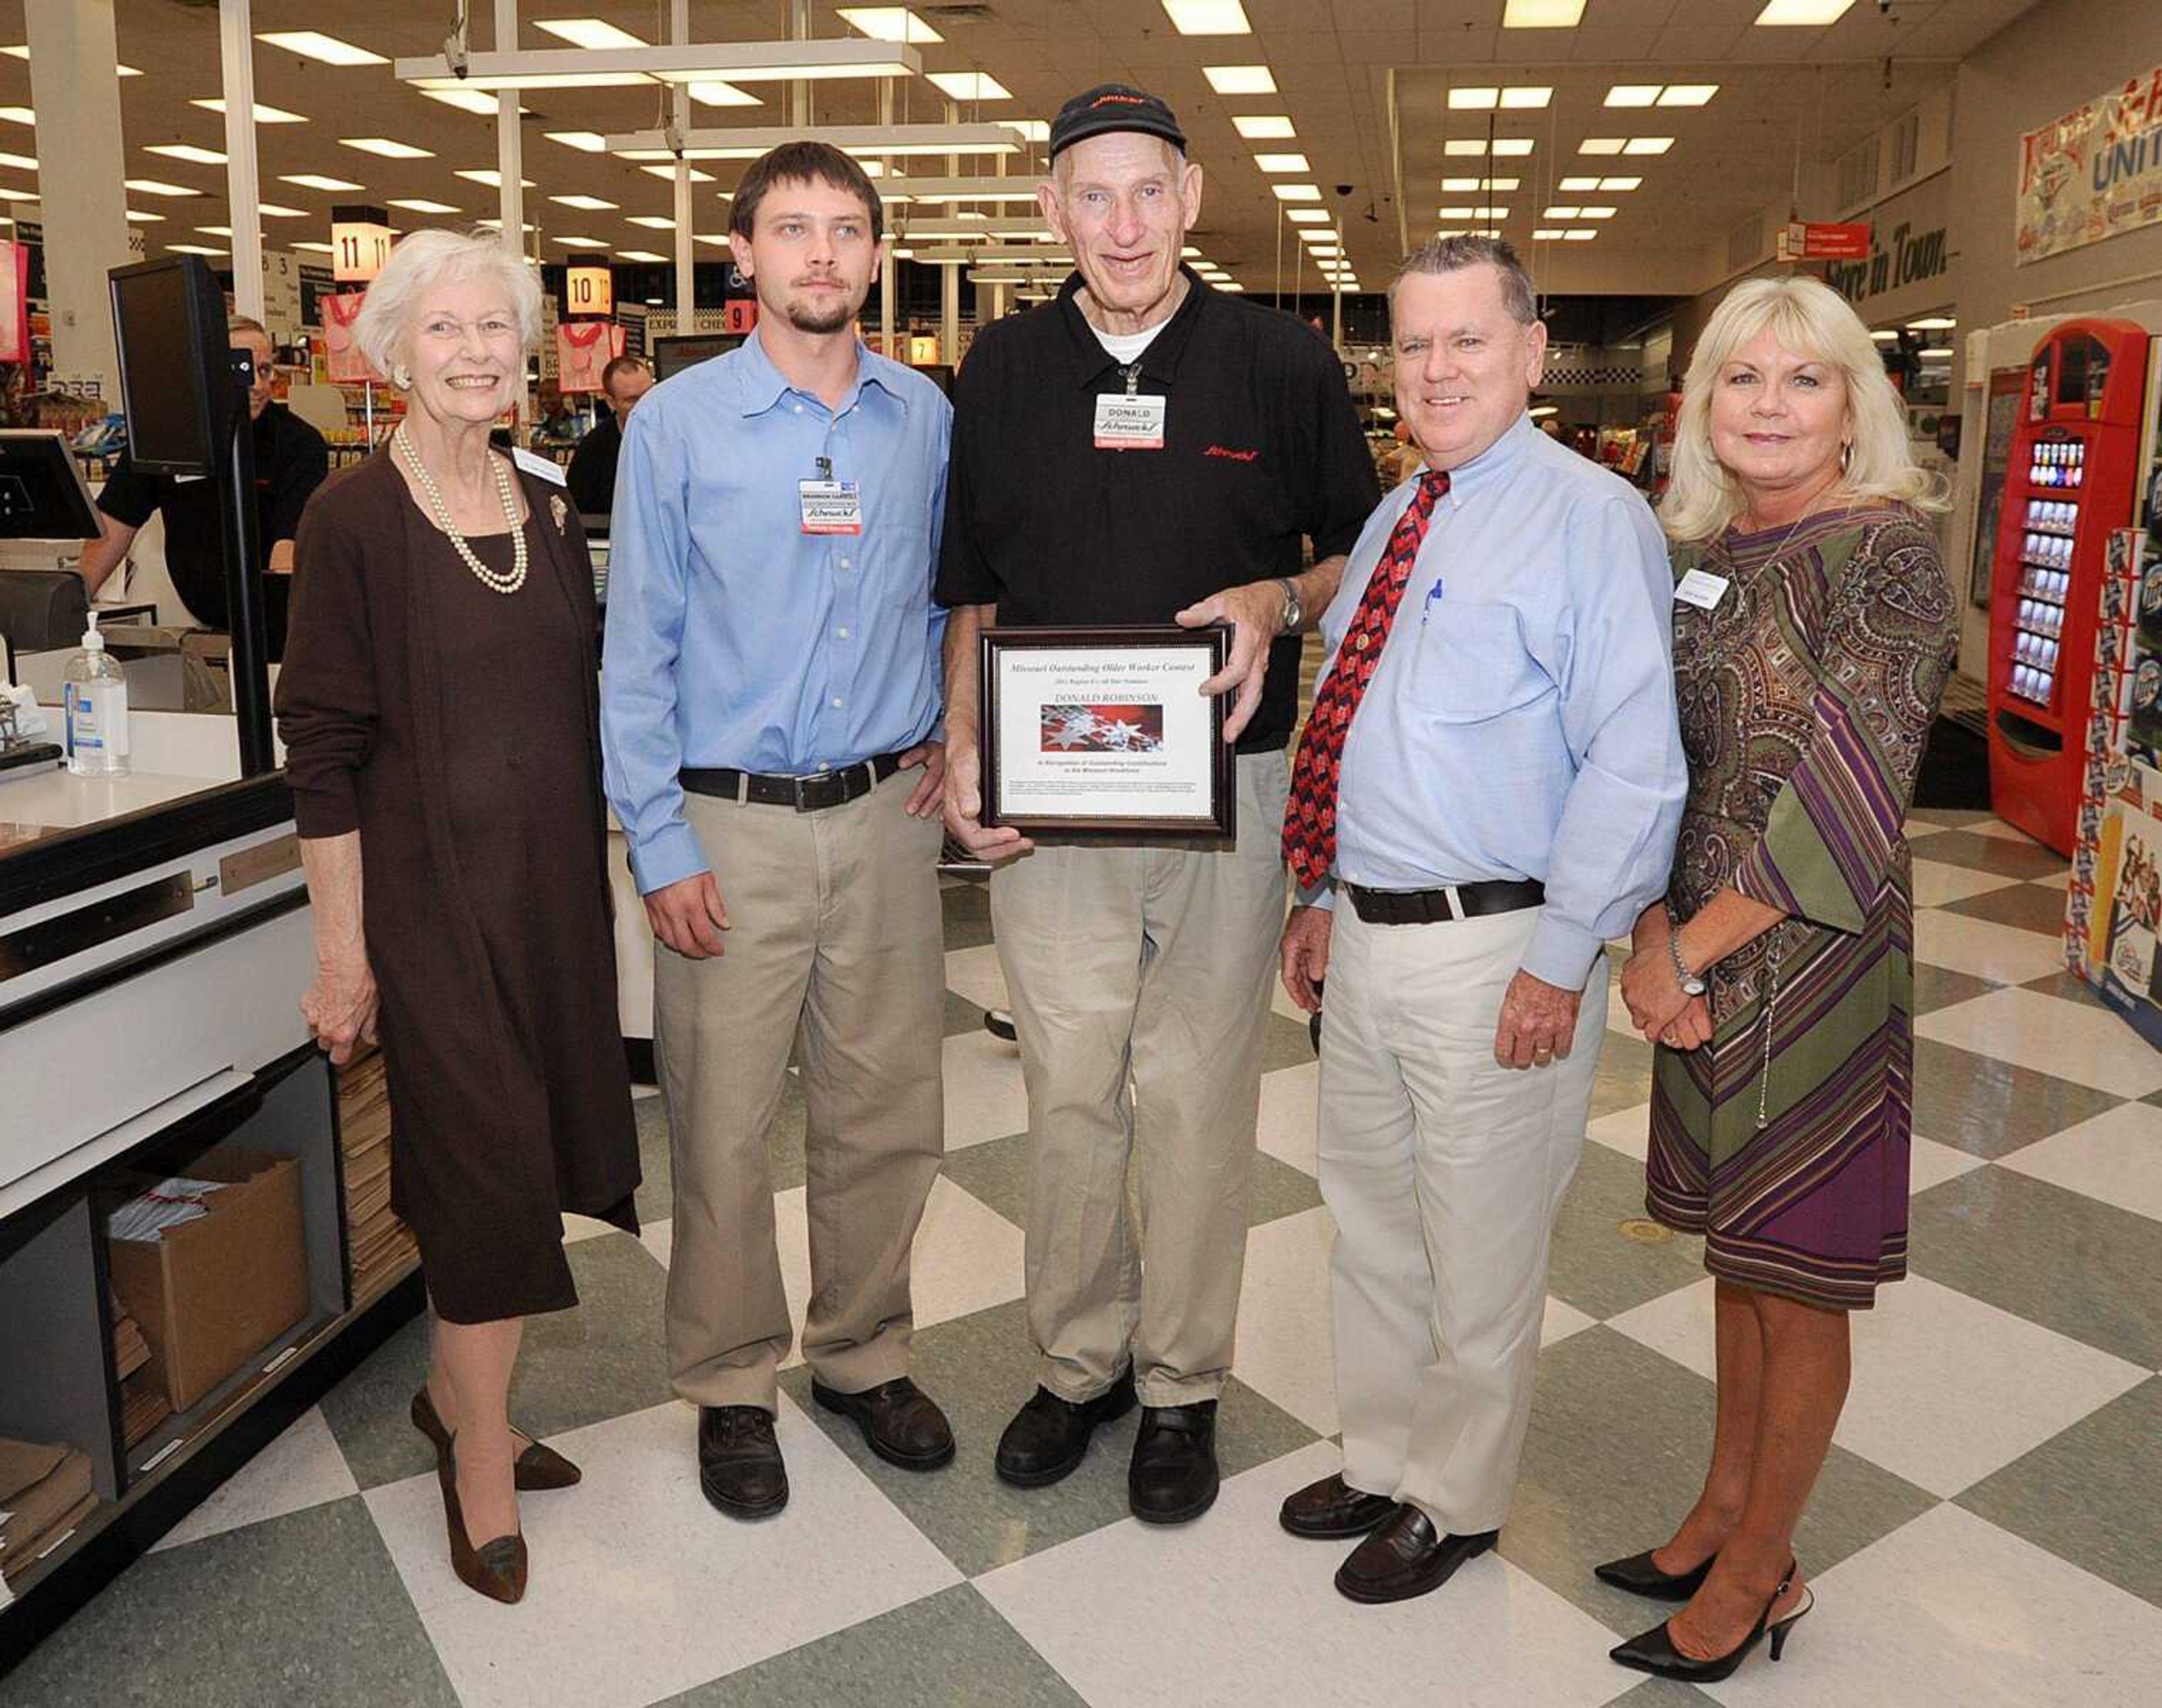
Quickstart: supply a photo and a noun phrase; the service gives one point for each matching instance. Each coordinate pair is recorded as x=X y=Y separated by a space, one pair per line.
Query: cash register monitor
x=672 y=355
x=42 y=495
x=175 y=365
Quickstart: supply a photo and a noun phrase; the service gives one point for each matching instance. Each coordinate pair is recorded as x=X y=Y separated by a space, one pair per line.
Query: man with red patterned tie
x=1491 y=778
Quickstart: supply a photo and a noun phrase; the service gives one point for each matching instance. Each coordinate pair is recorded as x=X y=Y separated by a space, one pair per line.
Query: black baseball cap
x=1111 y=107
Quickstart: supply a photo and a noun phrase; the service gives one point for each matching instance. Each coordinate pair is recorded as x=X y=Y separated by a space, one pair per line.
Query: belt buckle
x=809 y=796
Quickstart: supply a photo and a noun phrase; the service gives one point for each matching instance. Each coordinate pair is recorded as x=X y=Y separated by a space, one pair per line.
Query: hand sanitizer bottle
x=95 y=691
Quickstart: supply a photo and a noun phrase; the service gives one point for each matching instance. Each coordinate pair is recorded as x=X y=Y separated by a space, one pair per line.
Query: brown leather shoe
x=901 y=1423
x=538 y=1468
x=497 y=1569
x=1404 y=1557
x=1331 y=1508
x=739 y=1466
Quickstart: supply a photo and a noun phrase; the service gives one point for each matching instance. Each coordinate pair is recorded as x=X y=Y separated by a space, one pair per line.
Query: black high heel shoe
x=1639 y=1576
x=1654 y=1651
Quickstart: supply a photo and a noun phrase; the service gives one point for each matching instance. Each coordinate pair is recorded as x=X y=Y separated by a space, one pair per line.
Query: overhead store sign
x=1815 y=240
x=589 y=291
x=360 y=244
x=2093 y=173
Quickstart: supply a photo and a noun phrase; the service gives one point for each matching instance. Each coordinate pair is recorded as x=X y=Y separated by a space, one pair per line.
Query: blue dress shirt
x=733 y=638
x=1522 y=721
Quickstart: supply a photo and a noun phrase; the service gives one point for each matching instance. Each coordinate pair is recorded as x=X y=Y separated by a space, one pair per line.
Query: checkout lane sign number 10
x=358 y=250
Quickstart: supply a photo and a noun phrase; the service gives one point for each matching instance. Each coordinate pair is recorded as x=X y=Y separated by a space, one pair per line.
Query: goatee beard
x=810 y=319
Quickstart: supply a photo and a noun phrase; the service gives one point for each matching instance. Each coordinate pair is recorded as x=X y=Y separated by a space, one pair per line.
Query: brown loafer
x=497 y=1569
x=1333 y=1508
x=1406 y=1556
x=901 y=1423
x=538 y=1468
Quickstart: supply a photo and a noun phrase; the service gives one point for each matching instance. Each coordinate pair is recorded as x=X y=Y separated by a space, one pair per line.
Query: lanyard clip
x=1133 y=375
x=825 y=467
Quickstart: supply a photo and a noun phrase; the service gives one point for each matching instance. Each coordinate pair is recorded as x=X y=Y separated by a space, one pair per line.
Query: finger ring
x=1671 y=1037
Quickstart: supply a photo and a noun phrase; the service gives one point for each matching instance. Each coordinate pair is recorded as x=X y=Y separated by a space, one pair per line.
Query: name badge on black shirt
x=1126 y=421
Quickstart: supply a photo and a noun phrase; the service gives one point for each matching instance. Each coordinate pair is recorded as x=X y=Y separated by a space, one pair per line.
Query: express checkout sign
x=2094 y=173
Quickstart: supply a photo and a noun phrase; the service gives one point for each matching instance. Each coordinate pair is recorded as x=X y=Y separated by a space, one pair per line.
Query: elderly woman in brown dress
x=1814 y=628
x=440 y=710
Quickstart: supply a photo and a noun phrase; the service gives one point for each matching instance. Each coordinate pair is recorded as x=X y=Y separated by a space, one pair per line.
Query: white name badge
x=831 y=506
x=1701 y=588
x=1126 y=423
x=544 y=467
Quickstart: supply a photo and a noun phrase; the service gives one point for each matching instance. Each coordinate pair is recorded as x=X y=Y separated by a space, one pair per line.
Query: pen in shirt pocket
x=1433 y=598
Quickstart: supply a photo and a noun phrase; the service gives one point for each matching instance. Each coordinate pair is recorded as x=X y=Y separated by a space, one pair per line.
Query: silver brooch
x=558 y=509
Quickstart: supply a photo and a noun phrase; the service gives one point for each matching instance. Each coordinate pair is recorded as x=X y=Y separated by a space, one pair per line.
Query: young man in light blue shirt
x=769 y=710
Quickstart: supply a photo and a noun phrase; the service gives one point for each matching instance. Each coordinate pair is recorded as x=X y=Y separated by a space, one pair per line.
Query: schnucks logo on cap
x=1123 y=99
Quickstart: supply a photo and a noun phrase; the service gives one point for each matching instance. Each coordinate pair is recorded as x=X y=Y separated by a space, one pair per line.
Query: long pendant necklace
x=490 y=578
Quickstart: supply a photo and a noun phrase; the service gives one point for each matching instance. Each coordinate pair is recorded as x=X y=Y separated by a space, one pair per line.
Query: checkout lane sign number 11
x=359 y=248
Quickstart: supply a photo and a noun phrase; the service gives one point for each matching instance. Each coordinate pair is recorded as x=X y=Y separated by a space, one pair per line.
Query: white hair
x=424 y=260
x=1807 y=318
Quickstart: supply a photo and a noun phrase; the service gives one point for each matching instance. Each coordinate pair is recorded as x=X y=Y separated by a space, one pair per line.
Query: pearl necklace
x=490 y=578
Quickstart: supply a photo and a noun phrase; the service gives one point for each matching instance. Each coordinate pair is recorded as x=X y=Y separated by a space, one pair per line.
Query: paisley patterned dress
x=1806 y=693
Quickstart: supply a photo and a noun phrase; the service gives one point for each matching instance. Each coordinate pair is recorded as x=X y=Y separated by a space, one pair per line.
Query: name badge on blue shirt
x=831 y=506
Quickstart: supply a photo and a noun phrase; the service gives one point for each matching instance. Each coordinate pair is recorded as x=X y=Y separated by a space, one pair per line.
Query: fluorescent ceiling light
x=645 y=255
x=1321 y=250
x=21 y=51
x=888 y=23
x=1316 y=234
x=1600 y=145
x=586 y=142
x=1513 y=146
x=271 y=210
x=214 y=230
x=589 y=33
x=1632 y=95
x=1580 y=235
x=1548 y=234
x=1473 y=147
x=7 y=195
x=1611 y=185
x=1523 y=97
x=1577 y=184
x=1473 y=100
x=315 y=248
x=1488 y=213
x=653 y=221
x=1688 y=94
x=387 y=148
x=1938 y=352
x=158 y=186
x=1591 y=212
x=19 y=115
x=584 y=204
x=475 y=175
x=21 y=163
x=134 y=217
x=1305 y=216
x=1283 y=163
x=717 y=239
x=1934 y=323
x=669 y=173
x=971 y=86
x=1241 y=80
x=1542 y=14
x=1886 y=337
x=1568 y=209
x=1795 y=14
x=262 y=114
x=468 y=101
x=496 y=225
x=715 y=93
x=581 y=243
x=1189 y=253
x=1296 y=192
x=187 y=151
x=1263 y=128
x=317 y=181
x=421 y=204
x=1232 y=284
x=314 y=45
x=1648 y=145
x=193 y=249
x=1208 y=17
x=1476 y=186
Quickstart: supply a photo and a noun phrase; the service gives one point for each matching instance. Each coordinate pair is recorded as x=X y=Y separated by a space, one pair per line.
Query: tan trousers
x=1444 y=1172
x=1139 y=984
x=836 y=948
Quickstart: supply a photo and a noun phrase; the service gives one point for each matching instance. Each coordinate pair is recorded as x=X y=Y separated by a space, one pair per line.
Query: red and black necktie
x=1309 y=831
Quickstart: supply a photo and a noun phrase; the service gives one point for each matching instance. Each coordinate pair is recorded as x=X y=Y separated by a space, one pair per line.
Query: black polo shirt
x=591 y=476
x=1261 y=447
x=291 y=462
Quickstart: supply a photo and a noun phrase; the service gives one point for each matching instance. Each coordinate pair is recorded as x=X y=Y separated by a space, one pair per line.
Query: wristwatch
x=1692 y=985
x=1294 y=608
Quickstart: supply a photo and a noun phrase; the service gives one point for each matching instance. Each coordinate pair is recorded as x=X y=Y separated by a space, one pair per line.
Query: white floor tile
x=1951 y=1609
x=1562 y=1320
x=639 y=1590
x=1280 y=1001
x=2117 y=1157
x=577 y=1227
x=2056 y=880
x=1936 y=884
x=1286 y=1337
x=975 y=974
x=2033 y=1029
x=1933 y=1164
x=2005 y=832
x=659 y=1238
x=984 y=1097
x=1289 y=1108
x=1918 y=827
x=1947 y=1389
x=1231 y=1612
x=302 y=1468
x=1628 y=1131
x=1982 y=949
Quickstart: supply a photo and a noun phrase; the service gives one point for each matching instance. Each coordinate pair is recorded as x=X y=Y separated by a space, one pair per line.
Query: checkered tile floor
x=1985 y=1532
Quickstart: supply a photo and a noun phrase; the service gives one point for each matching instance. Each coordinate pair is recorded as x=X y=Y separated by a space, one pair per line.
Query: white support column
x=75 y=88
x=889 y=287
x=686 y=273
x=510 y=168
x=798 y=110
x=949 y=278
x=245 y=199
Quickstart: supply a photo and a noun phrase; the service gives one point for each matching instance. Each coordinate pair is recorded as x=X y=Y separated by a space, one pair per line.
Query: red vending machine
x=2077 y=459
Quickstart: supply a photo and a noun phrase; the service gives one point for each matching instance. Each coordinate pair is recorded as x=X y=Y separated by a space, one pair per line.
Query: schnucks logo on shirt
x=1235 y=456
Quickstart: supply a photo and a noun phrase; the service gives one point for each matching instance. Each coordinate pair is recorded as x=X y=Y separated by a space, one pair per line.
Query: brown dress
x=457 y=729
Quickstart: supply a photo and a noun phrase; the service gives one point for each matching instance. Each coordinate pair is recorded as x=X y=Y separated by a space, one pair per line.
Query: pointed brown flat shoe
x=540 y=1468
x=496 y=1568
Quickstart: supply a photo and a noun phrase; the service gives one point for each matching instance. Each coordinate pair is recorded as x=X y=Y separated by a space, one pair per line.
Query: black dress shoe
x=740 y=1468
x=1333 y=1508
x=1654 y=1651
x=1049 y=1436
x=1406 y=1556
x=1640 y=1577
x=901 y=1423
x=1173 y=1477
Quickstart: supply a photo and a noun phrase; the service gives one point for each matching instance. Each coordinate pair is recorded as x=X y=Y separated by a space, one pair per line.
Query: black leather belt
x=811 y=794
x=1457 y=901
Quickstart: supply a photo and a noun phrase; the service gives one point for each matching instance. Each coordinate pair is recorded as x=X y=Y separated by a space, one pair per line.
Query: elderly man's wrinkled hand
x=1254 y=612
x=1537 y=1023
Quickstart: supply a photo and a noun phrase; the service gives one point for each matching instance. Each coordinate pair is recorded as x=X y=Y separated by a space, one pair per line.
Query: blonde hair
x=1808 y=318
x=421 y=260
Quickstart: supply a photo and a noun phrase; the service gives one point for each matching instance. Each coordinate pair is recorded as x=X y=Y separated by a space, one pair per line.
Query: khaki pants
x=1140 y=981
x=836 y=948
x=1444 y=1172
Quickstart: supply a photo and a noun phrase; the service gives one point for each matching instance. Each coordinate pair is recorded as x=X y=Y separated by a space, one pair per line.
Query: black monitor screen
x=939 y=373
x=169 y=318
x=42 y=495
x=671 y=356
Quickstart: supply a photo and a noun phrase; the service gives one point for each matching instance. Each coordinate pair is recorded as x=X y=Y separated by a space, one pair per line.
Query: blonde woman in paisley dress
x=1814 y=628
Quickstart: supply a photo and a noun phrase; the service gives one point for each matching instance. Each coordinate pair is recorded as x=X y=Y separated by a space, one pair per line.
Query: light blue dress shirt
x=1521 y=722
x=733 y=638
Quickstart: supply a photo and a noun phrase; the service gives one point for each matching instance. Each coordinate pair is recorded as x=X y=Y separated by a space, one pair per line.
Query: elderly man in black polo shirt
x=1139 y=975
